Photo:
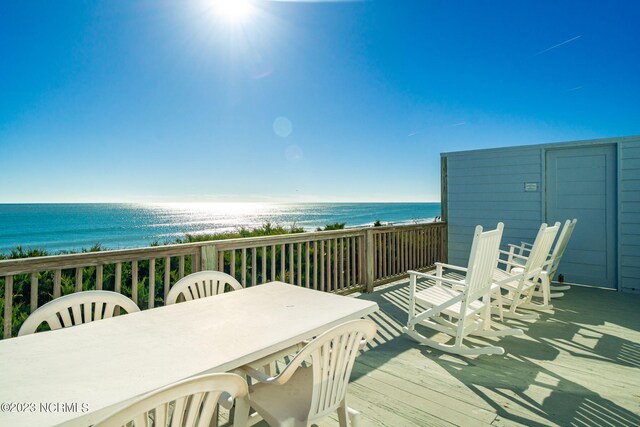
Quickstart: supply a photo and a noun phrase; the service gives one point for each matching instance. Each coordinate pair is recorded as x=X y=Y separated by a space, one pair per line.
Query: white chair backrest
x=78 y=308
x=483 y=259
x=202 y=284
x=561 y=245
x=188 y=403
x=541 y=247
x=332 y=357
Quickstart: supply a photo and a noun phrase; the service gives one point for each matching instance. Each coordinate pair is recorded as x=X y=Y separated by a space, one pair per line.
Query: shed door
x=581 y=183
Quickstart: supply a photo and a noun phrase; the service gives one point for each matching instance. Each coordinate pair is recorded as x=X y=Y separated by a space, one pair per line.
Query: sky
x=297 y=101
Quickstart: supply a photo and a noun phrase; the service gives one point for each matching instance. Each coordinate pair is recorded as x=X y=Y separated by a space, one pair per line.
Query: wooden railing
x=330 y=261
x=341 y=261
x=398 y=249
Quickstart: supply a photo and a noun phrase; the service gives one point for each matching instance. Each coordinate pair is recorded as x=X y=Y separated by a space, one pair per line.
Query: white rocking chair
x=524 y=249
x=466 y=302
x=520 y=280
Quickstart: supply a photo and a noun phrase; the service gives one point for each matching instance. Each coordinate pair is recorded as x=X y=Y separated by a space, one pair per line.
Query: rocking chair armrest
x=451 y=266
x=509 y=263
x=416 y=273
x=514 y=255
x=437 y=309
x=511 y=278
x=447 y=280
x=520 y=276
x=459 y=288
x=521 y=247
x=533 y=273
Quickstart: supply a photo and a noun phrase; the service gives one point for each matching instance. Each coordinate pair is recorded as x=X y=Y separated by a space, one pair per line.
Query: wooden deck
x=579 y=366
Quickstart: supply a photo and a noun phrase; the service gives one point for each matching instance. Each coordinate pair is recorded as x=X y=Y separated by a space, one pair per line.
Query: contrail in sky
x=558 y=45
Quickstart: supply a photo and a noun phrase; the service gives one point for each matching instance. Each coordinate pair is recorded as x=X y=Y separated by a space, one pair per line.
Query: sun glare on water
x=233 y=11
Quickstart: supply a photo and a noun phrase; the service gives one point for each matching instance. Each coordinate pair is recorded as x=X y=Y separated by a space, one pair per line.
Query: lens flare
x=233 y=11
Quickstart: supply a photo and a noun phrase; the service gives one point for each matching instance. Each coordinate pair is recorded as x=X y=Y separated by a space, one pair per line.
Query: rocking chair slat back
x=541 y=246
x=482 y=261
x=561 y=245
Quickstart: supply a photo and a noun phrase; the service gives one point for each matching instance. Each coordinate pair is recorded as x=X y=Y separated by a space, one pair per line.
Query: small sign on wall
x=530 y=186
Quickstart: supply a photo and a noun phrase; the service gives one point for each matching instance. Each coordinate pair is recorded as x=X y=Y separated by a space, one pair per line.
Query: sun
x=233 y=11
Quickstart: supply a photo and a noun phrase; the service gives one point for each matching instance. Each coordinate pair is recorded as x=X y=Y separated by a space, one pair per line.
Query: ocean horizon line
x=77 y=226
x=219 y=202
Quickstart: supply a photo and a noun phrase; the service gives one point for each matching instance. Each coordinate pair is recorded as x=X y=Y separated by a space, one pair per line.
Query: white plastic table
x=77 y=375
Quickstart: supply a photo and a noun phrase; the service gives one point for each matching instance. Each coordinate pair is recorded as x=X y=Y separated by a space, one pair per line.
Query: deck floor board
x=576 y=366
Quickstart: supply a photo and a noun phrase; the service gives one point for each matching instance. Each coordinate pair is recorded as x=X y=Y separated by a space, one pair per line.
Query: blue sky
x=125 y=100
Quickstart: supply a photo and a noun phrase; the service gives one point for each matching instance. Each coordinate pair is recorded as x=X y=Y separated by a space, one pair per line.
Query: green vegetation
x=336 y=226
x=20 y=252
x=267 y=229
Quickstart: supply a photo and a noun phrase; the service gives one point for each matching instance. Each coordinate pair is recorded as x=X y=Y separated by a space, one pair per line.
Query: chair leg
x=354 y=417
x=486 y=313
x=241 y=412
x=546 y=290
x=498 y=297
x=342 y=413
x=515 y=303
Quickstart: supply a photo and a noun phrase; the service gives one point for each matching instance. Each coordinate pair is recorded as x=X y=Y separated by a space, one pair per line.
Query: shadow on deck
x=578 y=366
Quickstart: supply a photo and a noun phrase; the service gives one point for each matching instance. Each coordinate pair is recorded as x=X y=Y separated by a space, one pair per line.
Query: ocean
x=72 y=227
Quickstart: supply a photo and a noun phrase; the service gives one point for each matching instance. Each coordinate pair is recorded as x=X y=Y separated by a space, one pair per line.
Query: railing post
x=368 y=260
x=8 y=306
x=445 y=243
x=209 y=257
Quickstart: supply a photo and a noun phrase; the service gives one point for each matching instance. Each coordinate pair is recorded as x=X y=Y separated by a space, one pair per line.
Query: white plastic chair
x=300 y=395
x=189 y=403
x=202 y=284
x=466 y=302
x=78 y=308
x=555 y=257
x=520 y=280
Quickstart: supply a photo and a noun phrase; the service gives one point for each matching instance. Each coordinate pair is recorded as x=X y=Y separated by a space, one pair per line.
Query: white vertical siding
x=630 y=215
x=487 y=187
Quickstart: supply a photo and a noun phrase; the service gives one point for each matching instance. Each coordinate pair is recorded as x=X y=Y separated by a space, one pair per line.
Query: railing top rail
x=51 y=262
x=388 y=228
x=249 y=242
x=310 y=236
